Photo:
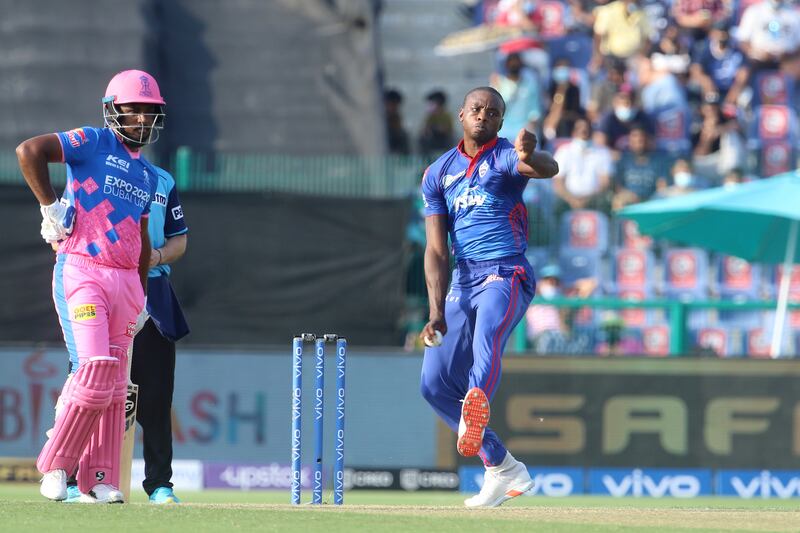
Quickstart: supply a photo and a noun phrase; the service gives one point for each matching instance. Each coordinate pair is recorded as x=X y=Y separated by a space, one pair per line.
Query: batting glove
x=58 y=220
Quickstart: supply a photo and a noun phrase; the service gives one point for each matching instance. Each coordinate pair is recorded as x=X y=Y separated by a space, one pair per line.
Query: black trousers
x=153 y=369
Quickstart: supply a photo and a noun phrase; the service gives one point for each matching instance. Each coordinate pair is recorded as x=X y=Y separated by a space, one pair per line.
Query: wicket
x=319 y=400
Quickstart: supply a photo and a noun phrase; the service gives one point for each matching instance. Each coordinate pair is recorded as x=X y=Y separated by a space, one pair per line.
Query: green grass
x=22 y=509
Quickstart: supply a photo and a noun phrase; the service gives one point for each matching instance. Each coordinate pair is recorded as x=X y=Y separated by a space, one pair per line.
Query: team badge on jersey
x=483 y=169
x=77 y=137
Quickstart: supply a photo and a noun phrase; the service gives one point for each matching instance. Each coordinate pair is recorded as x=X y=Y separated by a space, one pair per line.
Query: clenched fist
x=525 y=144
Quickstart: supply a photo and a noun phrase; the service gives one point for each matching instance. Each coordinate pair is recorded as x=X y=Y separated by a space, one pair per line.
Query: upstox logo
x=84 y=312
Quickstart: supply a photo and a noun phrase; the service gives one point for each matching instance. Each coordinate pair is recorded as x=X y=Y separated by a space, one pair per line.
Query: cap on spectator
x=550 y=271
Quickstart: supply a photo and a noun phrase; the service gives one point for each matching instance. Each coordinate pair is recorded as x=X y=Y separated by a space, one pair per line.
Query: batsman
x=473 y=194
x=100 y=229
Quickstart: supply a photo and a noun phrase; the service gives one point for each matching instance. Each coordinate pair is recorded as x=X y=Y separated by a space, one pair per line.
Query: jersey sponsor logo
x=483 y=169
x=160 y=199
x=177 y=212
x=490 y=278
x=130 y=331
x=84 y=312
x=118 y=163
x=76 y=137
x=468 y=199
x=450 y=178
x=120 y=188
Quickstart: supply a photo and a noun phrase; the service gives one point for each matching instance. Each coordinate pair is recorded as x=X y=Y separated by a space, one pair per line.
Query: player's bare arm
x=33 y=156
x=171 y=252
x=144 y=254
x=533 y=163
x=437 y=273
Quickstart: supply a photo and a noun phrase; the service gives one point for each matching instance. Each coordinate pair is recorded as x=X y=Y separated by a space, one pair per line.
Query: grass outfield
x=22 y=509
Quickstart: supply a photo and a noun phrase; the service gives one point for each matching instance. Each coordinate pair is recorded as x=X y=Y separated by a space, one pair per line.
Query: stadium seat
x=672 y=130
x=576 y=46
x=584 y=229
x=737 y=279
x=717 y=339
x=772 y=87
x=577 y=263
x=552 y=15
x=686 y=274
x=775 y=157
x=627 y=235
x=757 y=342
x=632 y=270
x=655 y=340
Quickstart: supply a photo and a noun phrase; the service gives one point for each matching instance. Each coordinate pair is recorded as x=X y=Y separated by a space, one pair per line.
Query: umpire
x=153 y=367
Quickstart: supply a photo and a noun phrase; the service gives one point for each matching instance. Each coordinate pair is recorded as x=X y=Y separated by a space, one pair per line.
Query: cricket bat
x=129 y=439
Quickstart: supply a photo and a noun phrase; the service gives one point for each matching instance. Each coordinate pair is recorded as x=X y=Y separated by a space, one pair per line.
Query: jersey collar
x=474 y=160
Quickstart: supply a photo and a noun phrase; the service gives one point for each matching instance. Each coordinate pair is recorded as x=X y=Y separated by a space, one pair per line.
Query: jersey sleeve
x=510 y=161
x=79 y=144
x=432 y=193
x=174 y=223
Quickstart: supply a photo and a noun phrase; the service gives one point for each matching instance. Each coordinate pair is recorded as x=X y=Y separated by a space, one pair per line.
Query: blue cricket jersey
x=166 y=217
x=482 y=198
x=166 y=220
x=111 y=189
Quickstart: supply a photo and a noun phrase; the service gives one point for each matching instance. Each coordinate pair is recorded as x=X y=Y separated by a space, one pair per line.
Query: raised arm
x=532 y=163
x=437 y=273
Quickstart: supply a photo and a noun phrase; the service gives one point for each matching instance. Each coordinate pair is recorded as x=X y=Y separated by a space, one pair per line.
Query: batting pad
x=86 y=396
x=100 y=460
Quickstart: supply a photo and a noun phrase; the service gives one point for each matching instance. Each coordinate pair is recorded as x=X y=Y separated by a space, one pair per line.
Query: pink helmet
x=133 y=86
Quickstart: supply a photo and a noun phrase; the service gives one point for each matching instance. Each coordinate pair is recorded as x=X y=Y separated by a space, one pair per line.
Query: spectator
x=674 y=49
x=548 y=326
x=603 y=90
x=733 y=178
x=638 y=170
x=660 y=89
x=697 y=15
x=617 y=123
x=396 y=135
x=621 y=30
x=683 y=182
x=519 y=87
x=584 y=175
x=717 y=66
x=717 y=143
x=768 y=32
x=437 y=128
x=565 y=98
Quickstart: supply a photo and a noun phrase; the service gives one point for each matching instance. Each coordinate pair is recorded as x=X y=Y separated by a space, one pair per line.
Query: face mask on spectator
x=682 y=179
x=547 y=291
x=623 y=113
x=581 y=144
x=561 y=74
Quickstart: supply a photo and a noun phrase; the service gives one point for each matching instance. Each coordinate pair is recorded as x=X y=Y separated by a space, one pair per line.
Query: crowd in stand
x=641 y=99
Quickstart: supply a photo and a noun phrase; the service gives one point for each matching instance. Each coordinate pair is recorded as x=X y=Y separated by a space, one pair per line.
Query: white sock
x=507 y=464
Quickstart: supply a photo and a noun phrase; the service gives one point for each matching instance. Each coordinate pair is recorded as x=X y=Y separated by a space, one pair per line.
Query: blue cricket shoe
x=73 y=494
x=163 y=495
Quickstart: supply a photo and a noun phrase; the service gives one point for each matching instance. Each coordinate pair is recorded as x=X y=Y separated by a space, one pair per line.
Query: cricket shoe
x=73 y=494
x=54 y=485
x=102 y=493
x=507 y=480
x=164 y=495
x=474 y=419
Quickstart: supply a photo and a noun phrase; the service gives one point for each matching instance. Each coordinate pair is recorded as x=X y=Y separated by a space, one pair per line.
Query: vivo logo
x=766 y=485
x=340 y=445
x=637 y=483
